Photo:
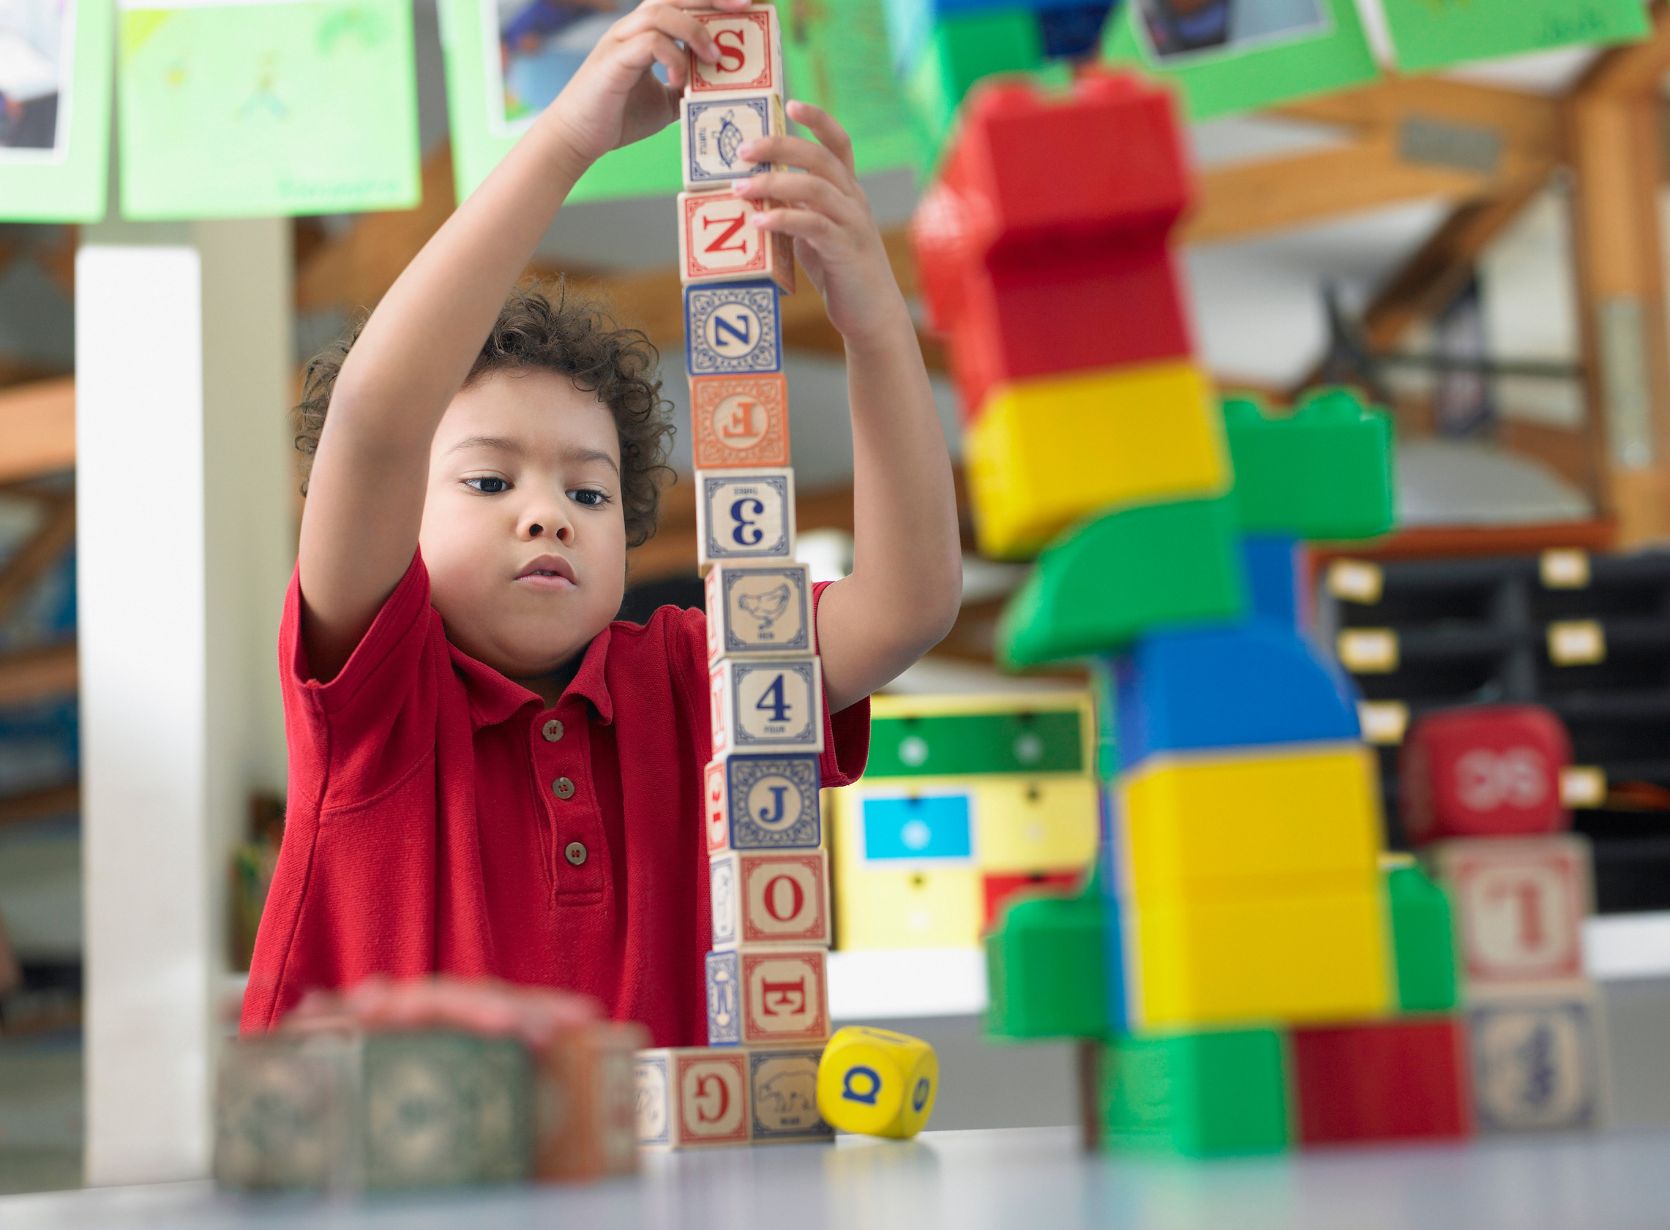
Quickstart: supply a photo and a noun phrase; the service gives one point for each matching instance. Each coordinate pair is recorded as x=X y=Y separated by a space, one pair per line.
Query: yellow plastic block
x=877 y=1082
x=1046 y=453
x=1022 y=824
x=941 y=907
x=1318 y=957
x=1258 y=823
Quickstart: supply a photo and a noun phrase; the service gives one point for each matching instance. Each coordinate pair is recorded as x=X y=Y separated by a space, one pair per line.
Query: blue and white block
x=724 y=998
x=784 y=1088
x=763 y=803
x=1538 y=1061
x=755 y=610
x=767 y=705
x=733 y=329
x=743 y=516
x=715 y=129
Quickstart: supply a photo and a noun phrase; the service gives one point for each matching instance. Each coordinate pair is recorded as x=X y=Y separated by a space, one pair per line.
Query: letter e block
x=776 y=898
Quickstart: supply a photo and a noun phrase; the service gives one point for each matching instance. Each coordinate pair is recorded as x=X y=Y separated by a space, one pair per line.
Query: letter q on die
x=875 y=1082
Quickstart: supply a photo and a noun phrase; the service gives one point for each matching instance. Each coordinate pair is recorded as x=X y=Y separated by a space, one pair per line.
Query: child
x=488 y=777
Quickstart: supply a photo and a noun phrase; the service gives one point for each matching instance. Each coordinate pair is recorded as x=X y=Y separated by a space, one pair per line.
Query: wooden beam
x=54 y=536
x=1634 y=69
x=46 y=673
x=1529 y=123
x=37 y=429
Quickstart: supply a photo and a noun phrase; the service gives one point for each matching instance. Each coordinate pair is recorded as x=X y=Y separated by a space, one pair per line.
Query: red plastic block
x=1000 y=888
x=1485 y=771
x=1382 y=1080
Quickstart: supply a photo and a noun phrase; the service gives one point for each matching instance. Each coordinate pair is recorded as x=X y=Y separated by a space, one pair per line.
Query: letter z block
x=733 y=329
x=1520 y=903
x=759 y=611
x=1483 y=771
x=767 y=705
x=762 y=803
x=769 y=898
x=1381 y=1081
x=744 y=515
x=718 y=243
x=738 y=421
x=784 y=1097
x=750 y=53
x=1048 y=452
x=693 y=1097
x=767 y=996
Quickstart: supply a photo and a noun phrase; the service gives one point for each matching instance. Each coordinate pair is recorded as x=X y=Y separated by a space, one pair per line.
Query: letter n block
x=767 y=996
x=762 y=803
x=767 y=705
x=739 y=421
x=775 y=898
x=717 y=242
x=744 y=515
x=692 y=1096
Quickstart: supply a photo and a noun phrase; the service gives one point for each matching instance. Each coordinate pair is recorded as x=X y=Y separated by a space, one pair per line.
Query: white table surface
x=1032 y=1177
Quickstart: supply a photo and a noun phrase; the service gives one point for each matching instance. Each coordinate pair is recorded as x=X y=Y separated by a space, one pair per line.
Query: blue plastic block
x=1272 y=564
x=1113 y=966
x=1250 y=684
x=1076 y=32
x=936 y=827
x=909 y=22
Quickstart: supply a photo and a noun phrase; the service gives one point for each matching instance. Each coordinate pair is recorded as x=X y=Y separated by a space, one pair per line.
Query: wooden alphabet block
x=587 y=1108
x=769 y=898
x=1519 y=906
x=732 y=329
x=750 y=53
x=738 y=421
x=691 y=1097
x=784 y=1096
x=767 y=705
x=755 y=610
x=718 y=242
x=767 y=996
x=713 y=131
x=763 y=803
x=284 y=1114
x=1539 y=1062
x=744 y=515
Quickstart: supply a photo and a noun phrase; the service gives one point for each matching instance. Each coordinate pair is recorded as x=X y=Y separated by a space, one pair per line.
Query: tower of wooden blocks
x=1479 y=793
x=966 y=800
x=1239 y=958
x=768 y=1014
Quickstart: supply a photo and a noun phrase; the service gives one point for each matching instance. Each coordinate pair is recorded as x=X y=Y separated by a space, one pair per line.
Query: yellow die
x=877 y=1083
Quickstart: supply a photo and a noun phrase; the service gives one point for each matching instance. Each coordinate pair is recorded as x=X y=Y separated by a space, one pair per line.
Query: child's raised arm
x=366 y=488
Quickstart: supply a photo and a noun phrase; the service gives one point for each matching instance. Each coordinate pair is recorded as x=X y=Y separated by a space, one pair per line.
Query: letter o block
x=1485 y=771
x=877 y=1083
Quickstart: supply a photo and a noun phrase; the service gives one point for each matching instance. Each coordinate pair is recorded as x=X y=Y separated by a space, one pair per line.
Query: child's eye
x=589 y=497
x=487 y=478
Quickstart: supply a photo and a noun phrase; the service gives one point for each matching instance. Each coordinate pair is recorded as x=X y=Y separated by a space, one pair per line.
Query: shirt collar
x=494 y=697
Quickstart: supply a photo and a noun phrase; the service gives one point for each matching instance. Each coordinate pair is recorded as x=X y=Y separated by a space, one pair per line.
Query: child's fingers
x=652 y=47
x=673 y=22
x=799 y=152
x=816 y=229
x=808 y=191
x=827 y=129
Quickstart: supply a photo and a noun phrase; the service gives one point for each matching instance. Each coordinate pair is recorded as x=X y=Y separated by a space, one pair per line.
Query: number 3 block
x=767 y=995
x=744 y=515
x=763 y=803
x=769 y=898
x=754 y=611
x=1519 y=906
x=767 y=705
x=692 y=1096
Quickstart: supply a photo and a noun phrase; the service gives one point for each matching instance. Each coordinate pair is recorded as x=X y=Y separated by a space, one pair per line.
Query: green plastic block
x=1045 y=741
x=1107 y=740
x=1199 y=1095
x=1321 y=473
x=1047 y=969
x=1128 y=572
x=964 y=50
x=1423 y=937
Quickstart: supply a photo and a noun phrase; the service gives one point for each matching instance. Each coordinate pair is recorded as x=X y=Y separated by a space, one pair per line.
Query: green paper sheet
x=55 y=135
x=836 y=53
x=1434 y=33
x=270 y=109
x=1227 y=58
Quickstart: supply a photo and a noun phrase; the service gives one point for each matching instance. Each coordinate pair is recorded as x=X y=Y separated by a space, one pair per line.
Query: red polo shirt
x=427 y=828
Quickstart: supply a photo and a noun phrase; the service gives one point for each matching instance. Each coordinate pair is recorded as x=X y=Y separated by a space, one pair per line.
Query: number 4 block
x=772 y=705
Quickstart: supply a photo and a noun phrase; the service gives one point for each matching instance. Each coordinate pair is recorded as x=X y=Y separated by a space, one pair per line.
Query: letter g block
x=877 y=1083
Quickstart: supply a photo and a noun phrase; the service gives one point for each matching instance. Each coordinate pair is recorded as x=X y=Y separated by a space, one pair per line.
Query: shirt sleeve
x=366 y=727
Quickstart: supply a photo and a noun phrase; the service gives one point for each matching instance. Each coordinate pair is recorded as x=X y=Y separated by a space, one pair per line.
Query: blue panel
x=927 y=827
x=1272 y=563
x=724 y=998
x=1247 y=685
x=1113 y=966
x=1072 y=33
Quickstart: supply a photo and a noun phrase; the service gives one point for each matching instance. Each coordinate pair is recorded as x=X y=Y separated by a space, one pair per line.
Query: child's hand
x=614 y=97
x=827 y=213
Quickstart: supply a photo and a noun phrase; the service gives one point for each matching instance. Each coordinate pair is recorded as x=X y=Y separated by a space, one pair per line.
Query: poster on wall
x=507 y=60
x=1434 y=33
x=237 y=109
x=54 y=110
x=1228 y=56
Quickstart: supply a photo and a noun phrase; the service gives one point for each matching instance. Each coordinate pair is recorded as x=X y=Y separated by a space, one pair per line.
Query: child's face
x=524 y=465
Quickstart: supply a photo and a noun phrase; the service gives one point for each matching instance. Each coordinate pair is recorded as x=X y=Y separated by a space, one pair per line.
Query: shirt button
x=575 y=853
x=563 y=788
x=552 y=730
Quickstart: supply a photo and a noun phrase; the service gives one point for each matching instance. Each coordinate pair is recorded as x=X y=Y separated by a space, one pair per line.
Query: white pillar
x=183 y=365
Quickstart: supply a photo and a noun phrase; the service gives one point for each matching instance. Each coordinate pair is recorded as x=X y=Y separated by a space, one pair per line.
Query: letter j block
x=762 y=803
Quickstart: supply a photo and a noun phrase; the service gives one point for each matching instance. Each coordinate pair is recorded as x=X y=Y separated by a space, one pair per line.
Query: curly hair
x=576 y=338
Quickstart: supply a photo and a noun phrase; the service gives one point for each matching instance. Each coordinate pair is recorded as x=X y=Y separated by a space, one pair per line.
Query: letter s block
x=750 y=53
x=692 y=1096
x=770 y=898
x=877 y=1083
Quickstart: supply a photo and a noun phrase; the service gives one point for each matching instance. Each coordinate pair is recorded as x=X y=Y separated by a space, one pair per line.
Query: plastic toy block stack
x=768 y=1015
x=966 y=800
x=355 y=1111
x=1480 y=795
x=1238 y=953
